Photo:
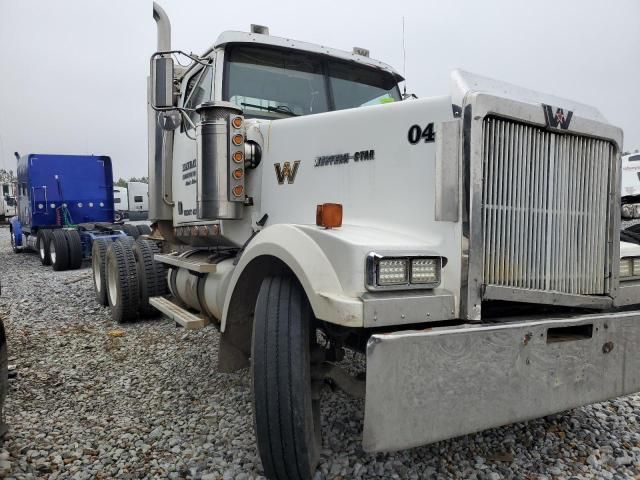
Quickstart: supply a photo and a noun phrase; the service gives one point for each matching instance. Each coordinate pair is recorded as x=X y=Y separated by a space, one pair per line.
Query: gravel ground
x=150 y=403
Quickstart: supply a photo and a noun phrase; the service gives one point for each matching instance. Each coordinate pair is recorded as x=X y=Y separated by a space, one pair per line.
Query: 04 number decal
x=416 y=134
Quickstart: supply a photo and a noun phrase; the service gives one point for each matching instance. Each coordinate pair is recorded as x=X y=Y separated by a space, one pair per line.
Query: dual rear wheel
x=64 y=249
x=125 y=277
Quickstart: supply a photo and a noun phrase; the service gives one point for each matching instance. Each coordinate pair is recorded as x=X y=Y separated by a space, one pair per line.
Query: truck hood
x=463 y=83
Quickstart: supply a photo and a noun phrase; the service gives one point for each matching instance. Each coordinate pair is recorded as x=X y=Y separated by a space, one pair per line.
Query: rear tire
x=287 y=419
x=75 y=249
x=143 y=229
x=122 y=282
x=42 y=244
x=151 y=274
x=98 y=267
x=131 y=230
x=59 y=250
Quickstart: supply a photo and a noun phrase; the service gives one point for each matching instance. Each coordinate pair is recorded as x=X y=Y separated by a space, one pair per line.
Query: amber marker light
x=237 y=122
x=238 y=156
x=237 y=173
x=329 y=215
x=237 y=139
x=238 y=190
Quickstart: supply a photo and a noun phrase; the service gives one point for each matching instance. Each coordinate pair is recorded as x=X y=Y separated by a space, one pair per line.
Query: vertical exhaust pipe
x=160 y=92
x=164 y=28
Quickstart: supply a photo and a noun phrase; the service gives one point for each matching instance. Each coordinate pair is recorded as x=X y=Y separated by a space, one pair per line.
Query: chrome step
x=178 y=314
x=193 y=265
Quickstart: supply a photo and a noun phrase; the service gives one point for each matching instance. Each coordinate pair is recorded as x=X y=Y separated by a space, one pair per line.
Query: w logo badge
x=286 y=171
x=557 y=117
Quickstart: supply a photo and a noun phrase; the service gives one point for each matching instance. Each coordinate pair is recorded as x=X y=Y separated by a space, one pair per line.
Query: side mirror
x=169 y=120
x=162 y=82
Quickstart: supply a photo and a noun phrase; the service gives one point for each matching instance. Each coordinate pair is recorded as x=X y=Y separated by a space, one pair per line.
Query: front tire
x=287 y=418
x=4 y=377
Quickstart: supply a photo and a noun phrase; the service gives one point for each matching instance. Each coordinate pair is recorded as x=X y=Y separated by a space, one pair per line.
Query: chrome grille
x=545 y=209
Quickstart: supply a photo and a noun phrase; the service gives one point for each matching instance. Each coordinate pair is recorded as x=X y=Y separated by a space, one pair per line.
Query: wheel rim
x=97 y=277
x=41 y=249
x=52 y=252
x=113 y=292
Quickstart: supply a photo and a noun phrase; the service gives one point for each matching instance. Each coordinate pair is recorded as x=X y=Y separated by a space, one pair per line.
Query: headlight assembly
x=402 y=272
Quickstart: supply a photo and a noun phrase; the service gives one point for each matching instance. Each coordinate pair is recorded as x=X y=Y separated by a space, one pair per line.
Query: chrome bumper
x=426 y=386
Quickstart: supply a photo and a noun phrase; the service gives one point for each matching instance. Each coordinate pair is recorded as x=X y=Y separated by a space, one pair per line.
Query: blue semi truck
x=65 y=203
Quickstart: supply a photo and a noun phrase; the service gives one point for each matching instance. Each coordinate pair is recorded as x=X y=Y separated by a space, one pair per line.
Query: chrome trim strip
x=525 y=295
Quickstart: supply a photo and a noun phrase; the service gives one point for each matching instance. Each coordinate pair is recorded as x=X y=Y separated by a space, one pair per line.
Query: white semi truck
x=466 y=244
x=132 y=201
x=7 y=201
x=630 y=189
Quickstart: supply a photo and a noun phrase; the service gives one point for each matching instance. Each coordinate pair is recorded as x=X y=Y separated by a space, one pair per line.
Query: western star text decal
x=341 y=158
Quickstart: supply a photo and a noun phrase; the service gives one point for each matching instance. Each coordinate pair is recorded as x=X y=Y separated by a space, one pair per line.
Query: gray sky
x=73 y=72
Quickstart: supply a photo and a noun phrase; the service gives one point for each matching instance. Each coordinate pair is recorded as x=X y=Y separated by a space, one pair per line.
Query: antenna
x=404 y=59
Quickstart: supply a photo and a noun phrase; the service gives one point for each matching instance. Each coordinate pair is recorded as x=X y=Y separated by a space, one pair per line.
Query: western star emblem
x=557 y=117
x=286 y=171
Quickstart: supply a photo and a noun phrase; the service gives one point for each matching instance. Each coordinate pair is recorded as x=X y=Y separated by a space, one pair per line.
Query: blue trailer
x=64 y=203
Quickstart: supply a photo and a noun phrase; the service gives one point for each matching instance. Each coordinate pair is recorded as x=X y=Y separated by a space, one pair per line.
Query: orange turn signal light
x=237 y=190
x=329 y=215
x=237 y=139
x=238 y=156
x=237 y=173
x=237 y=122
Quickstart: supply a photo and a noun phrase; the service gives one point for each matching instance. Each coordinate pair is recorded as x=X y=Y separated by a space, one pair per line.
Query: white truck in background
x=630 y=190
x=131 y=202
x=7 y=201
x=120 y=202
x=466 y=244
x=138 y=195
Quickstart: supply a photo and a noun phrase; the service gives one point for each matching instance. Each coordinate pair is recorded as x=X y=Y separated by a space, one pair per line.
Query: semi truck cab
x=467 y=244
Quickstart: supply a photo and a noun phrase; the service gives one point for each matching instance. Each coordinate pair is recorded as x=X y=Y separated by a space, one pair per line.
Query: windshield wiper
x=280 y=108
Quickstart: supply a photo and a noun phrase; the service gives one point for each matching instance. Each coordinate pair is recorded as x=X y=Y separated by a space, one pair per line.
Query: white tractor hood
x=463 y=82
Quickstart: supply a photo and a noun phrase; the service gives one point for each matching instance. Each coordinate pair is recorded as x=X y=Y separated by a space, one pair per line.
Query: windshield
x=355 y=86
x=277 y=83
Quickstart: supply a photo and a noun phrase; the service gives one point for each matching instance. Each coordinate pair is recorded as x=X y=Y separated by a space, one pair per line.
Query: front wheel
x=14 y=242
x=287 y=416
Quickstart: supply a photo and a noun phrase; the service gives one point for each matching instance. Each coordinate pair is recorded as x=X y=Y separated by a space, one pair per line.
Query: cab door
x=196 y=88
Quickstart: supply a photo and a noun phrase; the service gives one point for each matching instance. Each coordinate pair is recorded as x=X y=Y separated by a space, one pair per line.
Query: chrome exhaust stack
x=160 y=94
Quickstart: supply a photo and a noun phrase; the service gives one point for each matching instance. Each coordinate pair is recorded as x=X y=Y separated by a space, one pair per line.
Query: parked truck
x=120 y=203
x=466 y=244
x=7 y=201
x=65 y=203
x=630 y=189
x=131 y=202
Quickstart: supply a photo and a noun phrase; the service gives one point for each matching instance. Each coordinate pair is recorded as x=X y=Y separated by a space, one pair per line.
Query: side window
x=116 y=200
x=198 y=91
x=137 y=198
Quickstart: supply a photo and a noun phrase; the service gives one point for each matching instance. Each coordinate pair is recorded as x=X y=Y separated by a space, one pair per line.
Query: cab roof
x=270 y=40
